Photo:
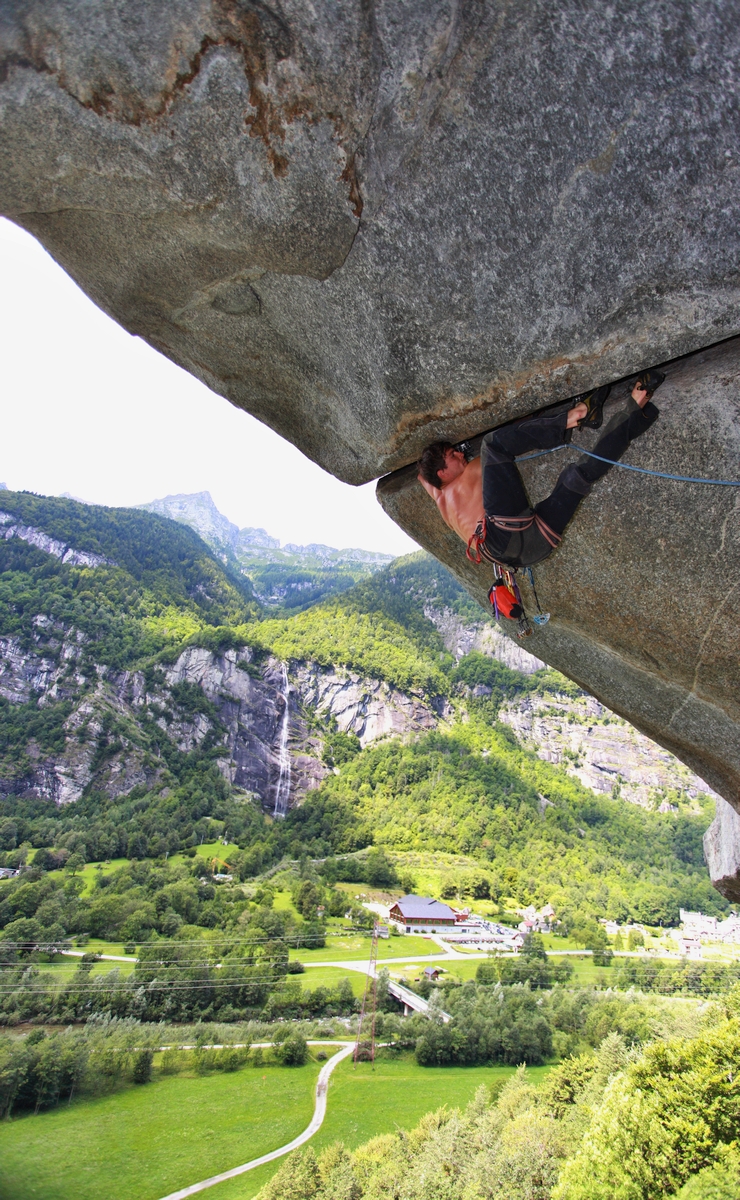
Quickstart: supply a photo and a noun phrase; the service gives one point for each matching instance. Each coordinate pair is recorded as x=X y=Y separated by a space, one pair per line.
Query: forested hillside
x=620 y=1123
x=146 y=692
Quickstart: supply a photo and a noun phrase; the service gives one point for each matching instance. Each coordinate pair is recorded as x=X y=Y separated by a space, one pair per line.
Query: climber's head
x=441 y=463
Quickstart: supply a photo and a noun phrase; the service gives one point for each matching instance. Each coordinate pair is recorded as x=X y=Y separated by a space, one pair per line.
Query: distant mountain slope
x=155 y=552
x=292 y=578
x=395 y=626
x=86 y=595
x=143 y=696
x=474 y=790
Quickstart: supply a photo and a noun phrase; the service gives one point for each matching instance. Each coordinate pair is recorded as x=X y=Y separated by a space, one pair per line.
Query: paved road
x=316 y=1122
x=108 y=957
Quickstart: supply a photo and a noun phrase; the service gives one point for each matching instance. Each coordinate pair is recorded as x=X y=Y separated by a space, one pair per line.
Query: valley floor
x=144 y=1142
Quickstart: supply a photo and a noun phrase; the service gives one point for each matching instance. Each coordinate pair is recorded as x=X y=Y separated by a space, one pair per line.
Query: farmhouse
x=420 y=914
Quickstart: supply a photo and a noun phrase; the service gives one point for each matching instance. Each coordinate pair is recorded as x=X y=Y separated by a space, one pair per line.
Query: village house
x=729 y=929
x=421 y=914
x=690 y=946
x=537 y=920
x=697 y=925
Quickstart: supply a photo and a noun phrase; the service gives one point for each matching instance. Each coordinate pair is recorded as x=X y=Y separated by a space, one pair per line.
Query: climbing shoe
x=650 y=381
x=595 y=403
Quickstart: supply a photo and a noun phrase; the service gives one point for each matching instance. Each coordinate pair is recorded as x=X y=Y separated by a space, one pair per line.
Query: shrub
x=142 y=1068
x=293 y=1052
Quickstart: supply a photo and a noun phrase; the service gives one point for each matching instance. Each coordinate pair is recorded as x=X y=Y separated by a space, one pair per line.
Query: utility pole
x=365 y=1044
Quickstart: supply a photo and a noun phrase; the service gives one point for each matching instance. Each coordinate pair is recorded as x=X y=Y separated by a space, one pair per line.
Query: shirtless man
x=484 y=500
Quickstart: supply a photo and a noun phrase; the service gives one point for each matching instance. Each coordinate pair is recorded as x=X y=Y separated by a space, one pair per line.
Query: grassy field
x=208 y=850
x=144 y=1142
x=366 y=1100
x=63 y=970
x=459 y=969
x=282 y=903
x=586 y=974
x=89 y=873
x=98 y=946
x=355 y=946
x=329 y=977
x=394 y=1093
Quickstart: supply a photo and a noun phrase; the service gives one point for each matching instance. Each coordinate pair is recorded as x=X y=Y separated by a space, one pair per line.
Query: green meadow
x=340 y=948
x=143 y=1142
x=366 y=1100
x=330 y=977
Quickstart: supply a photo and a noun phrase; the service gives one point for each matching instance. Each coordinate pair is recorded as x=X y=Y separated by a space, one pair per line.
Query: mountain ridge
x=291 y=576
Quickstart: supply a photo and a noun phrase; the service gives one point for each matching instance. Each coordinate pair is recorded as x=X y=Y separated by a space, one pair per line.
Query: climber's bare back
x=460 y=499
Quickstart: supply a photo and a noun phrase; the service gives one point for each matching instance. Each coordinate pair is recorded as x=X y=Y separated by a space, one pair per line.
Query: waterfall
x=282 y=791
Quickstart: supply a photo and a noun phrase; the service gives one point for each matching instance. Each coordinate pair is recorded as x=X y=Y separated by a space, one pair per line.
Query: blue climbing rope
x=626 y=467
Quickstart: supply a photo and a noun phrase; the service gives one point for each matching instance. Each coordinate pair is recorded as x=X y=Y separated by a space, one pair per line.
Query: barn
x=421 y=914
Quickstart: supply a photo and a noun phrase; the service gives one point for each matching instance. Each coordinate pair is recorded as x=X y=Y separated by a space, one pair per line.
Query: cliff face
x=604 y=752
x=642 y=592
x=372 y=225
x=256 y=718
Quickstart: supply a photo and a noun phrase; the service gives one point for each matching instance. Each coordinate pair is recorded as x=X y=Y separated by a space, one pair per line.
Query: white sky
x=86 y=408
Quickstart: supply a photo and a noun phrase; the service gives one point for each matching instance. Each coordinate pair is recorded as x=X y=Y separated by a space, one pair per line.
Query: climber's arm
x=434 y=492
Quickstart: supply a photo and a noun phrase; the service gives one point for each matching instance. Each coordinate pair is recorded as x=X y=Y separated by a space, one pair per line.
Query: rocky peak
x=199 y=512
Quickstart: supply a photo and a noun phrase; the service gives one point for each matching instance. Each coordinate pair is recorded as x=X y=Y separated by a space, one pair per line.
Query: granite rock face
x=376 y=224
x=461 y=637
x=371 y=224
x=643 y=591
x=260 y=715
x=369 y=708
x=722 y=851
x=605 y=753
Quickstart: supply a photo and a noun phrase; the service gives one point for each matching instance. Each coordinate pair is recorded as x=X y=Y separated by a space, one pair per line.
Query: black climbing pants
x=504 y=494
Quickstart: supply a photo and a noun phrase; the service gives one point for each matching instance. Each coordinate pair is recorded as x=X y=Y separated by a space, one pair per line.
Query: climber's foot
x=594 y=402
x=645 y=385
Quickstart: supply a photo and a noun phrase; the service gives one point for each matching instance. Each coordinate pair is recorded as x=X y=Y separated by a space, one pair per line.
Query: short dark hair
x=432 y=461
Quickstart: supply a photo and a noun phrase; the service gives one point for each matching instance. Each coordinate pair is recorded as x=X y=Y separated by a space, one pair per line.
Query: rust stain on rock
x=262 y=40
x=493 y=396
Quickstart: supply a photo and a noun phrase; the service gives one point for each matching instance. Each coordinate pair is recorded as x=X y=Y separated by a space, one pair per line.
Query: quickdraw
x=506 y=599
x=505 y=576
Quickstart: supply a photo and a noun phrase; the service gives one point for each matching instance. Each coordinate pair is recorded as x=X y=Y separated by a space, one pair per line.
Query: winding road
x=314 y=1125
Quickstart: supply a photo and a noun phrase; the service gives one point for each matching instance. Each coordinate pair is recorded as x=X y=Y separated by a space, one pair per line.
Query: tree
x=142 y=1066
x=379 y=870
x=487 y=972
x=665 y=1118
x=533 y=947
x=293 y=1052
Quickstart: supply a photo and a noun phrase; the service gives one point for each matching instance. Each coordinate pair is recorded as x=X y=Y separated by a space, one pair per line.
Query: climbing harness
x=520 y=524
x=478 y=550
x=504 y=594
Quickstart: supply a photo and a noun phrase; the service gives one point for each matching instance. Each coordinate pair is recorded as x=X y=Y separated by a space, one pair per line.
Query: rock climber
x=484 y=500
